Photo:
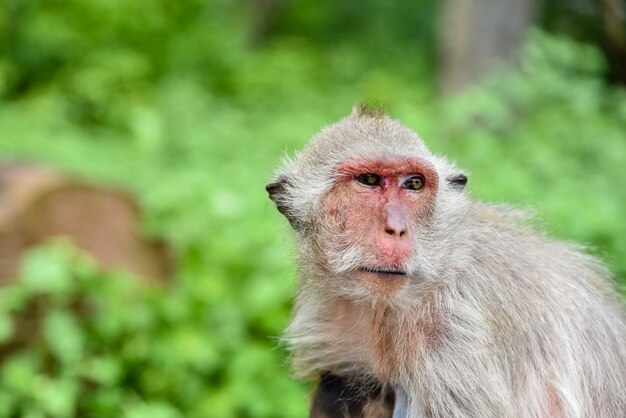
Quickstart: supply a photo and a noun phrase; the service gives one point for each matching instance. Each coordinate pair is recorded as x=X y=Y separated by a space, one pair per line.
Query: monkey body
x=462 y=306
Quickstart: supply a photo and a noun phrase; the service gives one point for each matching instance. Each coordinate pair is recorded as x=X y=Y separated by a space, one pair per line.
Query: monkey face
x=373 y=209
x=373 y=216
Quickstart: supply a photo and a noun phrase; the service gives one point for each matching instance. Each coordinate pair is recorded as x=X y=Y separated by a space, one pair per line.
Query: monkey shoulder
x=507 y=240
x=524 y=279
x=523 y=269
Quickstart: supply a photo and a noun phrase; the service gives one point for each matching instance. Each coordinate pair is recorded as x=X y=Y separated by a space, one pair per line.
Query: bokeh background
x=191 y=104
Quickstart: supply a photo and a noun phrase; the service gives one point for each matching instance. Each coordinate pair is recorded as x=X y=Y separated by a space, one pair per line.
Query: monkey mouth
x=395 y=271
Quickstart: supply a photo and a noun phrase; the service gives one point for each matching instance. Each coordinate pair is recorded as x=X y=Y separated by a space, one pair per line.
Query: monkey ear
x=277 y=191
x=457 y=181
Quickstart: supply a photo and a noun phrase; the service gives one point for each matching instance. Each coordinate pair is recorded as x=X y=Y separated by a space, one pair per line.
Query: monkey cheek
x=335 y=219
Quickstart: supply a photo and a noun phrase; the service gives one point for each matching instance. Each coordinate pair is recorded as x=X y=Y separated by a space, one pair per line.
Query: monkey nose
x=395 y=222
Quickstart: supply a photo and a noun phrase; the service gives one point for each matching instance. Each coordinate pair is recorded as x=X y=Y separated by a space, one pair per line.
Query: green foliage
x=106 y=345
x=553 y=137
x=179 y=103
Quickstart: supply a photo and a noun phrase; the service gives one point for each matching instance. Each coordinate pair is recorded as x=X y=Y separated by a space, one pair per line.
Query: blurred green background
x=191 y=105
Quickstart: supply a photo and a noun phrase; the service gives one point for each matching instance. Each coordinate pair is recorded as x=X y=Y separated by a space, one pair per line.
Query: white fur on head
x=365 y=134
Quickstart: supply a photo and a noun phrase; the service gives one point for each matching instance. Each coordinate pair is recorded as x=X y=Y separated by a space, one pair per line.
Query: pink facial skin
x=381 y=216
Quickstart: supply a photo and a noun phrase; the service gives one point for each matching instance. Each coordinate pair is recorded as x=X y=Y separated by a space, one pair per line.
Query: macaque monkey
x=416 y=302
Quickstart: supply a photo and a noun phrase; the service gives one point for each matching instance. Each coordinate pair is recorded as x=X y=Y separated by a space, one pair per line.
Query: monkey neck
x=339 y=335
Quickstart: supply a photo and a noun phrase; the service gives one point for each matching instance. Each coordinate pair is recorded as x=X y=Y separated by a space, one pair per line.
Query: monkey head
x=375 y=212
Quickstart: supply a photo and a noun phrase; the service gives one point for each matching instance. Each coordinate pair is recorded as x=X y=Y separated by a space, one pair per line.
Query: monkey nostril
x=394 y=232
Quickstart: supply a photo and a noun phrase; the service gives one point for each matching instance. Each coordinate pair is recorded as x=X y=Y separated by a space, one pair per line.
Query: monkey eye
x=369 y=179
x=414 y=182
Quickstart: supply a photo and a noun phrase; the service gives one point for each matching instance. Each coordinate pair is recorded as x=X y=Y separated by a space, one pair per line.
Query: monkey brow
x=390 y=167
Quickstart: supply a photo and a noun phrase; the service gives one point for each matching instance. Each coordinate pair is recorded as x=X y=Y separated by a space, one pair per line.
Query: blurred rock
x=37 y=203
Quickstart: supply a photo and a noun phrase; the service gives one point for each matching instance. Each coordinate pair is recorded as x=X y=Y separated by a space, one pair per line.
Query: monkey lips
x=382 y=281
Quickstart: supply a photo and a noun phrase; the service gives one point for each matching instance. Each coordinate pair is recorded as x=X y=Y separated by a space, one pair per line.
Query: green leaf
x=33 y=412
x=63 y=336
x=57 y=398
x=19 y=373
x=47 y=269
x=6 y=328
x=152 y=410
x=8 y=402
x=105 y=370
x=13 y=298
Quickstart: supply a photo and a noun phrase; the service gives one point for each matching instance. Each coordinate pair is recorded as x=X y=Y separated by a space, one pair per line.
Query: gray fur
x=497 y=320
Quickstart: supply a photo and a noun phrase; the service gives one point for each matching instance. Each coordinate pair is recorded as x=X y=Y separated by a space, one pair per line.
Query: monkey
x=416 y=301
x=346 y=396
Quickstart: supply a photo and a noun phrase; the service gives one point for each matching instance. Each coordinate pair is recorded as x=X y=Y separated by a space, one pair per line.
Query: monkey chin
x=382 y=282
